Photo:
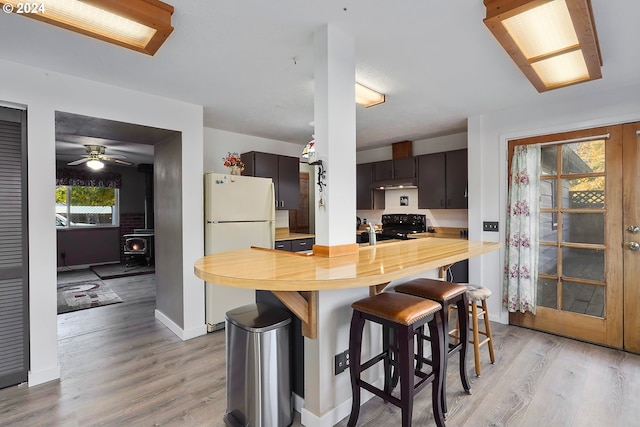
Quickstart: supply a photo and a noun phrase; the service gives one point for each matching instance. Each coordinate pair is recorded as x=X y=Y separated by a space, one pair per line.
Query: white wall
x=43 y=92
x=217 y=143
x=487 y=144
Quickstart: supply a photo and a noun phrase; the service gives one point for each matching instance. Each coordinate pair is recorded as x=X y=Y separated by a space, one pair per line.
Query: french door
x=589 y=264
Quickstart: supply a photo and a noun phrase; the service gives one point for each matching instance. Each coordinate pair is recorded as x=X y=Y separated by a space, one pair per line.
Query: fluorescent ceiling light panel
x=368 y=97
x=553 y=42
x=543 y=29
x=141 y=25
x=560 y=69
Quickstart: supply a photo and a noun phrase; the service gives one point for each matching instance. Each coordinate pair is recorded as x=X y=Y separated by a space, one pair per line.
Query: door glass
x=547 y=293
x=583 y=228
x=582 y=298
x=548 y=260
x=583 y=157
x=548 y=160
x=548 y=227
x=582 y=263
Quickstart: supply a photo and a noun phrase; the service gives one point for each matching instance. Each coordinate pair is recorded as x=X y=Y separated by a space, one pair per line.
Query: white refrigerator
x=239 y=213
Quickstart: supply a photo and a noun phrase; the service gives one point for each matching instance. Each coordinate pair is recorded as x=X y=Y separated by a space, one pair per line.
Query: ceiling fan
x=95 y=157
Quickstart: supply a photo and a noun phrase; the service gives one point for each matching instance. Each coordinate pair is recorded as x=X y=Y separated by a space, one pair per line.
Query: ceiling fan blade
x=111 y=159
x=78 y=162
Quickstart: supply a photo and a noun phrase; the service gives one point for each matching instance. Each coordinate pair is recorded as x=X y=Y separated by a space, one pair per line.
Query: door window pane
x=583 y=299
x=583 y=193
x=548 y=260
x=583 y=157
x=547 y=293
x=548 y=199
x=583 y=228
x=548 y=227
x=583 y=263
x=548 y=160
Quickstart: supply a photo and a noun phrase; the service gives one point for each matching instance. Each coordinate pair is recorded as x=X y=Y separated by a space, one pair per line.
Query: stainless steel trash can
x=258 y=369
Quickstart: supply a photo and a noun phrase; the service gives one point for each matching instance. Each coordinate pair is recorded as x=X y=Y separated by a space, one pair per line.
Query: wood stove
x=138 y=246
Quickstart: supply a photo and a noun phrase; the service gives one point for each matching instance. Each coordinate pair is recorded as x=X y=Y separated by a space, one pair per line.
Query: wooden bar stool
x=478 y=294
x=403 y=314
x=448 y=294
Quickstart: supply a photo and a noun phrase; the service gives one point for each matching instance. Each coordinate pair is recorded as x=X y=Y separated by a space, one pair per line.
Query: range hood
x=392 y=184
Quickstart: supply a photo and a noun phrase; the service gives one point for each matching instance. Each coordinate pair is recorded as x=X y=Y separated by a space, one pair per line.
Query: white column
x=335 y=135
x=327 y=397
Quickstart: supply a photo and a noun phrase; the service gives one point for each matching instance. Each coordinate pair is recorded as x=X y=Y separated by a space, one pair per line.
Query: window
x=81 y=206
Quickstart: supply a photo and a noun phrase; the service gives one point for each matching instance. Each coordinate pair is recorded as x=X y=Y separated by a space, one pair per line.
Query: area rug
x=112 y=271
x=87 y=294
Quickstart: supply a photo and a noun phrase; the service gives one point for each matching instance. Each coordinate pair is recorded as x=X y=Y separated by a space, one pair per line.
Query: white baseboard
x=181 y=333
x=41 y=377
x=298 y=403
x=338 y=413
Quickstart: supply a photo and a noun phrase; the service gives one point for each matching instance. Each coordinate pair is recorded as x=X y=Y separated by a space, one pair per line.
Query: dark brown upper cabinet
x=366 y=197
x=392 y=169
x=442 y=180
x=285 y=172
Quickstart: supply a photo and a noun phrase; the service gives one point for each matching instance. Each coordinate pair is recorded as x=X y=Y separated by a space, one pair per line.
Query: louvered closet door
x=14 y=344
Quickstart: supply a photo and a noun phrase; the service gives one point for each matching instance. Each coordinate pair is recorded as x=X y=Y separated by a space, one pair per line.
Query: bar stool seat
x=404 y=314
x=448 y=294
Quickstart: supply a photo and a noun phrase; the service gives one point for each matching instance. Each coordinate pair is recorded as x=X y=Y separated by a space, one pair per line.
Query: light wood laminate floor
x=120 y=366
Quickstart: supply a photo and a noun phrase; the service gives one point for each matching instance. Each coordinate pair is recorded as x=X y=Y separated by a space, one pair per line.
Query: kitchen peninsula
x=296 y=279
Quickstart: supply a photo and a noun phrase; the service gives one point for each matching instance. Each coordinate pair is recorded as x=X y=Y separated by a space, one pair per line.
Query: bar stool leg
x=476 y=337
x=405 y=359
x=355 y=343
x=487 y=328
x=463 y=327
x=438 y=333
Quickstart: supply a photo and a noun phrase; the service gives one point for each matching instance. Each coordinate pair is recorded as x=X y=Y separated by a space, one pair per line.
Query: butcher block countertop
x=287 y=274
x=284 y=234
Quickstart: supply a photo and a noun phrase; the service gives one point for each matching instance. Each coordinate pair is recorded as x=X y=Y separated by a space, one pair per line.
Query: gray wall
x=168 y=229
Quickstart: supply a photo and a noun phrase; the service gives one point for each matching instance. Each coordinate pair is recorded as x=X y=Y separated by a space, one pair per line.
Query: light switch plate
x=490 y=226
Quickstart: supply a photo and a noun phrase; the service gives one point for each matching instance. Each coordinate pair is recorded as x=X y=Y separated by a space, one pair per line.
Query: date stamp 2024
x=23 y=8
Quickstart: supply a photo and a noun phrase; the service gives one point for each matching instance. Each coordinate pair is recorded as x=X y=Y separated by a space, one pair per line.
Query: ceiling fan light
x=95 y=164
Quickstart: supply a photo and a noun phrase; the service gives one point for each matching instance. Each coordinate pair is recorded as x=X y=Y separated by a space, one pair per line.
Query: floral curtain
x=521 y=255
x=85 y=178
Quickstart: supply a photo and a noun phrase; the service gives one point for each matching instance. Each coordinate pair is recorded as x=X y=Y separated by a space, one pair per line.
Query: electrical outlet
x=490 y=226
x=342 y=361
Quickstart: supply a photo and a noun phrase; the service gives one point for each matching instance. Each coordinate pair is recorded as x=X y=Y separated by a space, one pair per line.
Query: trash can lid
x=258 y=317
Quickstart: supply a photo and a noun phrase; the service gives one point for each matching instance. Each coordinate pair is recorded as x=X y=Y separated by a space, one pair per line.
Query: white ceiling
x=434 y=59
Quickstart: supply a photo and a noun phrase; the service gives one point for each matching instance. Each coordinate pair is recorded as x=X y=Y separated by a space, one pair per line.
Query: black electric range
x=398 y=226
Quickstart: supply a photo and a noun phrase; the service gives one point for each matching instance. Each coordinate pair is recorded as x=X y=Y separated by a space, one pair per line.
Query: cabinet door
x=366 y=198
x=283 y=245
x=456 y=179
x=288 y=193
x=383 y=170
x=431 y=181
x=404 y=167
x=302 y=245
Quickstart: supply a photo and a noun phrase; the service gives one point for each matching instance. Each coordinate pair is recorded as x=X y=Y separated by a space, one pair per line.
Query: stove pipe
x=147 y=169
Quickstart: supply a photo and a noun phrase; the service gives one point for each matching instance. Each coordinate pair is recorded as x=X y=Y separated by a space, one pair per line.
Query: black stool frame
x=404 y=343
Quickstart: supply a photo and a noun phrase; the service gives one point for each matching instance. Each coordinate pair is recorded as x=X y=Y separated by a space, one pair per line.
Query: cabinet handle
x=303 y=243
x=282 y=203
x=441 y=202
